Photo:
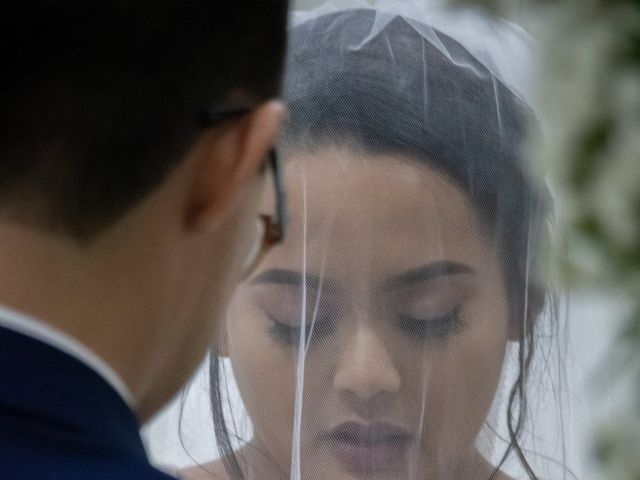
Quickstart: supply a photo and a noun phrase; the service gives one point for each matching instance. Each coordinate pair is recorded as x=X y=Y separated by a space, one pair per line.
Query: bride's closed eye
x=433 y=328
x=289 y=334
x=429 y=301
x=282 y=308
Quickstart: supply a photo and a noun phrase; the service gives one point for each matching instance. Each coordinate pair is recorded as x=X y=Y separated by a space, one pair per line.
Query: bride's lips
x=368 y=447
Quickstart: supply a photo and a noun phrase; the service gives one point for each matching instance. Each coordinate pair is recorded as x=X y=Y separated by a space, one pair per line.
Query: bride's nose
x=366 y=369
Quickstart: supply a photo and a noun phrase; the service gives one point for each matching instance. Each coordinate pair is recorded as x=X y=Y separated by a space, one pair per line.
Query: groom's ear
x=227 y=159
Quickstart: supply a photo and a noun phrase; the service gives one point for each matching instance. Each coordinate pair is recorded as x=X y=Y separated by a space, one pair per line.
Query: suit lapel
x=47 y=389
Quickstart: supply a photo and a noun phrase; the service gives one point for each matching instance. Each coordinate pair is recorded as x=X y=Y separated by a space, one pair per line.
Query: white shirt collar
x=28 y=326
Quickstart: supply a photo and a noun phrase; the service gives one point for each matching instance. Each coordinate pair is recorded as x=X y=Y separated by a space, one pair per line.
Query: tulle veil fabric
x=403 y=330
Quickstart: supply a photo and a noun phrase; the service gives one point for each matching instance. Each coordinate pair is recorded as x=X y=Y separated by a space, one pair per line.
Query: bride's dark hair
x=397 y=93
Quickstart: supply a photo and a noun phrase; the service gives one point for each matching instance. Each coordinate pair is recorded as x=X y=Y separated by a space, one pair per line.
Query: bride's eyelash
x=435 y=328
x=290 y=335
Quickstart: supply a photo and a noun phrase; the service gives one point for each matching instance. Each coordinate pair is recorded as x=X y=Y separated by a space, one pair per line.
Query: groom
x=133 y=142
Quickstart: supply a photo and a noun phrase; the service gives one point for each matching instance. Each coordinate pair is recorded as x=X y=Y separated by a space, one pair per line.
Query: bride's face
x=406 y=322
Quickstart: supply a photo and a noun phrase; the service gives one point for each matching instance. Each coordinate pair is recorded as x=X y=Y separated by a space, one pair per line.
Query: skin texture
x=147 y=294
x=369 y=221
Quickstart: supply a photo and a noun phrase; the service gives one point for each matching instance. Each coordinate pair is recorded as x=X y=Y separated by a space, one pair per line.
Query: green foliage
x=590 y=101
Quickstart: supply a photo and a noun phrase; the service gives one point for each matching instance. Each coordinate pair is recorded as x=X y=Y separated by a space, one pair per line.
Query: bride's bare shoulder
x=484 y=469
x=207 y=471
x=502 y=476
x=497 y=475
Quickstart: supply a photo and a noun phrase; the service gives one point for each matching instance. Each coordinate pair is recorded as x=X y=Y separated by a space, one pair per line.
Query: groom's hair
x=99 y=101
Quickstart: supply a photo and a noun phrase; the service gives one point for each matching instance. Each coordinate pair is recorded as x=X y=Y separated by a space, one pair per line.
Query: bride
x=372 y=343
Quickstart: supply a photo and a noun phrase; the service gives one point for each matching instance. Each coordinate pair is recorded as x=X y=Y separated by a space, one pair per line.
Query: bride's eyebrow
x=427 y=273
x=296 y=279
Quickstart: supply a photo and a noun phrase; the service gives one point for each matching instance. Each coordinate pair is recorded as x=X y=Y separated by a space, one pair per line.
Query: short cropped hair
x=99 y=101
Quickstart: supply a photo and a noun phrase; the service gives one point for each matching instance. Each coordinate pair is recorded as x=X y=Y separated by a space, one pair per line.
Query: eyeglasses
x=270 y=229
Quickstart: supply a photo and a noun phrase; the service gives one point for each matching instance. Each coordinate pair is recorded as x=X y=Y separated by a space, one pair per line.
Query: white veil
x=401 y=331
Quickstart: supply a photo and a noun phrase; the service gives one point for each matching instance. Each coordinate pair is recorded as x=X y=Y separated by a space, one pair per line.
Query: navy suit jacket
x=59 y=420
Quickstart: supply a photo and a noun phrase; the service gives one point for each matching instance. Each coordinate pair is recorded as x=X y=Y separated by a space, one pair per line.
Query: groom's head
x=108 y=172
x=100 y=100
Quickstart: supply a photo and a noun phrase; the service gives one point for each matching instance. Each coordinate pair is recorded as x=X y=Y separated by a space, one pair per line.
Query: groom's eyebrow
x=295 y=279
